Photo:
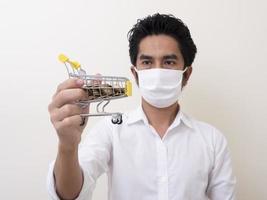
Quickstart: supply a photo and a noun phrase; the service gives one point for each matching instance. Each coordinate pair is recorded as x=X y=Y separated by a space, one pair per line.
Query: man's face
x=160 y=51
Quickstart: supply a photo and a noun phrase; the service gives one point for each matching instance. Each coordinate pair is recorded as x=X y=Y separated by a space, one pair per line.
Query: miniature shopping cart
x=100 y=89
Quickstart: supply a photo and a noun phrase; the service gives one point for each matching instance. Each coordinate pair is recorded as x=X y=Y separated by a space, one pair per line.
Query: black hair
x=162 y=24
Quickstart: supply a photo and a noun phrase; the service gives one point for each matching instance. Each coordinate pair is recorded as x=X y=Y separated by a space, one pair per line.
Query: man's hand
x=65 y=114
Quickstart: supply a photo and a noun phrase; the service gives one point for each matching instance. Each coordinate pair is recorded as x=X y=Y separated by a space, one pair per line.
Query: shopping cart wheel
x=114 y=120
x=119 y=119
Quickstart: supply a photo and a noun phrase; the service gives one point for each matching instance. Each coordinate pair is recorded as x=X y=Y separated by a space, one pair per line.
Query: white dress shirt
x=191 y=161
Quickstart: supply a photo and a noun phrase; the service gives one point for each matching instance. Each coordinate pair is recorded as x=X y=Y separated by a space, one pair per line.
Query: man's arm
x=68 y=175
x=65 y=117
x=221 y=180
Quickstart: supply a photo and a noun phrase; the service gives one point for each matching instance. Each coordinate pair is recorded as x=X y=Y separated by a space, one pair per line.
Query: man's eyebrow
x=171 y=56
x=145 y=57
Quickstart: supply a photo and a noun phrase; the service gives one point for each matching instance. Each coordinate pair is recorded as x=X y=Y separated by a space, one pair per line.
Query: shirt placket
x=162 y=172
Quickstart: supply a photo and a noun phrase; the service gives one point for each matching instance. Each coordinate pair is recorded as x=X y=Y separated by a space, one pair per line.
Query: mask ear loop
x=136 y=73
x=185 y=69
x=183 y=76
x=135 y=69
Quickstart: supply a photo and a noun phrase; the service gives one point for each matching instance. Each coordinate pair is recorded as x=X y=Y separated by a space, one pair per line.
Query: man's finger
x=69 y=96
x=70 y=122
x=66 y=111
x=70 y=84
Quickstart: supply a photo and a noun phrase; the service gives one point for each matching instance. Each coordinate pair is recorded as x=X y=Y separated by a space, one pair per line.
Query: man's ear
x=135 y=74
x=187 y=75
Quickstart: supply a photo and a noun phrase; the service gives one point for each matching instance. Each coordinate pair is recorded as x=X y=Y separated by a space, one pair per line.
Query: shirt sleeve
x=221 y=179
x=94 y=156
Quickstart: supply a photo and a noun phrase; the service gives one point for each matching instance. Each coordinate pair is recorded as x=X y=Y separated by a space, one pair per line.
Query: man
x=158 y=152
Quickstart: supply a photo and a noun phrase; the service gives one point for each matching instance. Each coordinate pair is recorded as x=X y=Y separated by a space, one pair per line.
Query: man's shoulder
x=198 y=124
x=207 y=131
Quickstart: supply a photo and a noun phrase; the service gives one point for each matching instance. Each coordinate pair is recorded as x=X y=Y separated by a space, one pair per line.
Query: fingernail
x=79 y=81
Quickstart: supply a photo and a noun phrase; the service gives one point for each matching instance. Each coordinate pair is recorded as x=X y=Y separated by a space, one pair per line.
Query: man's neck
x=160 y=118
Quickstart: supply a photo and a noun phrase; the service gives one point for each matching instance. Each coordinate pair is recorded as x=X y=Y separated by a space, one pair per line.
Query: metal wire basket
x=101 y=89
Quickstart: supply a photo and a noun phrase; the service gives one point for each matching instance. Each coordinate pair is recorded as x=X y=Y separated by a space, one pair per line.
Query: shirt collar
x=136 y=115
x=139 y=115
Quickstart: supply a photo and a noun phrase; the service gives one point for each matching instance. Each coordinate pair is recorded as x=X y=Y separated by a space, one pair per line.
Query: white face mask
x=160 y=87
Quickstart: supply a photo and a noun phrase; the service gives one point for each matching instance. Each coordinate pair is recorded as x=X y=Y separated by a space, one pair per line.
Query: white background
x=227 y=87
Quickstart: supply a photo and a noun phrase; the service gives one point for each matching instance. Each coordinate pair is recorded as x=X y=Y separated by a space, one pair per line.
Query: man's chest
x=182 y=161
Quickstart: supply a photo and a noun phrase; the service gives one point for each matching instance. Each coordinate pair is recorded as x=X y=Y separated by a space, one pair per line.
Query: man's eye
x=146 y=62
x=170 y=62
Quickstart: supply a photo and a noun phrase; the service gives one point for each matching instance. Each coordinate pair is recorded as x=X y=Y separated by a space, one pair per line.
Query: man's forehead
x=158 y=46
